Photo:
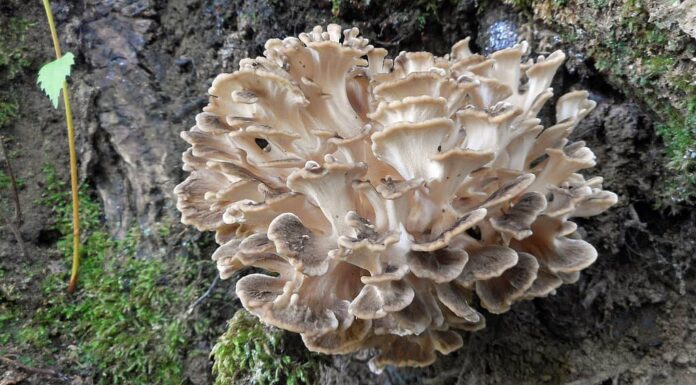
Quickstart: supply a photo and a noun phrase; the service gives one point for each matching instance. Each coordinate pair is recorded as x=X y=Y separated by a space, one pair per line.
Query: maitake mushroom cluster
x=385 y=197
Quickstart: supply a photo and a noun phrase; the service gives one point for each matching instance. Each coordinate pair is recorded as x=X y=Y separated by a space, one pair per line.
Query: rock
x=670 y=12
x=682 y=359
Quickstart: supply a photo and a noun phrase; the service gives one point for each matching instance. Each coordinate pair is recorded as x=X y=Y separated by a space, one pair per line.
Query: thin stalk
x=18 y=219
x=73 y=157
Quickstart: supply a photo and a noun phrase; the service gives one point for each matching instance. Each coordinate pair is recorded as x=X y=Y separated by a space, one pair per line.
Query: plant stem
x=205 y=295
x=73 y=157
x=18 y=219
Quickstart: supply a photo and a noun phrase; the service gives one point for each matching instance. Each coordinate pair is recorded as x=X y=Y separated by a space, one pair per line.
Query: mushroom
x=384 y=204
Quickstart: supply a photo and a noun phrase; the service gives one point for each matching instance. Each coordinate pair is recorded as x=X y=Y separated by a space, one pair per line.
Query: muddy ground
x=143 y=69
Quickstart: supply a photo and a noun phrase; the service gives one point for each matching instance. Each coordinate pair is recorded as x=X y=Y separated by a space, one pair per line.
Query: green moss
x=335 y=7
x=640 y=62
x=658 y=64
x=14 y=59
x=599 y=3
x=8 y=110
x=421 y=19
x=126 y=322
x=254 y=353
x=679 y=133
x=5 y=181
x=640 y=59
x=164 y=230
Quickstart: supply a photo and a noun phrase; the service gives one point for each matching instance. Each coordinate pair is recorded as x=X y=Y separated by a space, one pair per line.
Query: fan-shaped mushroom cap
x=546 y=283
x=486 y=263
x=454 y=297
x=497 y=294
x=379 y=298
x=415 y=351
x=227 y=260
x=299 y=245
x=409 y=147
x=517 y=220
x=414 y=319
x=446 y=341
x=443 y=239
x=195 y=208
x=442 y=265
x=379 y=198
x=340 y=341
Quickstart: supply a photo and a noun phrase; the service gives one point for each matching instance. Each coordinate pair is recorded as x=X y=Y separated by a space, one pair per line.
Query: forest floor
x=143 y=68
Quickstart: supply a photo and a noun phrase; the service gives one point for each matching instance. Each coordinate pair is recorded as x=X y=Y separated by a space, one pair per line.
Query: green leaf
x=52 y=76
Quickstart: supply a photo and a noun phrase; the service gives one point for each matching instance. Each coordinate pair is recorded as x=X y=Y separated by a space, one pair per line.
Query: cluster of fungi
x=382 y=202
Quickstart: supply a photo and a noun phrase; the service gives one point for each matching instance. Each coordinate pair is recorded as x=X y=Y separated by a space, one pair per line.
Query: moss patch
x=14 y=59
x=645 y=61
x=126 y=324
x=256 y=354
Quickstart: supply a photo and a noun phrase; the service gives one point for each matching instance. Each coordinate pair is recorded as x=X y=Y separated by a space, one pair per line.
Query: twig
x=29 y=369
x=442 y=376
x=389 y=377
x=18 y=219
x=18 y=236
x=204 y=296
x=635 y=219
x=392 y=43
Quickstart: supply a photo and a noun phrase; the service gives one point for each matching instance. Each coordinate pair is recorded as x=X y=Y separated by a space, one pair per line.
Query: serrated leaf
x=52 y=76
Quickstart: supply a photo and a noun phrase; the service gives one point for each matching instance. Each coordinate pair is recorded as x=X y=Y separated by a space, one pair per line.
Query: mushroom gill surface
x=387 y=201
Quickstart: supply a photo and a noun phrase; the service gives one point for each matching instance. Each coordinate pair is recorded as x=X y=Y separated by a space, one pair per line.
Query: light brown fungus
x=389 y=197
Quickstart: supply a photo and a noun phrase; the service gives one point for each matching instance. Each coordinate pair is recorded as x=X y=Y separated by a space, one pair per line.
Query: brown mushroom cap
x=454 y=298
x=339 y=341
x=546 y=283
x=443 y=239
x=377 y=299
x=556 y=251
x=487 y=263
x=497 y=294
x=442 y=265
x=517 y=220
x=194 y=207
x=415 y=351
x=414 y=319
x=446 y=341
x=302 y=248
x=227 y=260
x=257 y=290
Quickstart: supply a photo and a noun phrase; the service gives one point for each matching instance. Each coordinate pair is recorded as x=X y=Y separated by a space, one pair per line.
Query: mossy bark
x=646 y=51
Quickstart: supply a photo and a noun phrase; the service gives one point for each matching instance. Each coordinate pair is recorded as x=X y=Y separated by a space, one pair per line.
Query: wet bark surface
x=143 y=69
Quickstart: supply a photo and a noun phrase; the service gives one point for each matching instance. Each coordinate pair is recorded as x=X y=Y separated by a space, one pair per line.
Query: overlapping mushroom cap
x=386 y=197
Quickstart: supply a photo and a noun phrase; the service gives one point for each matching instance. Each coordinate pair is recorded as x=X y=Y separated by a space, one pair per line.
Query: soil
x=143 y=68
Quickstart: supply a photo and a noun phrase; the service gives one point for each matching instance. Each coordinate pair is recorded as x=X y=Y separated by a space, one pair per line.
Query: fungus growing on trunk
x=389 y=199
